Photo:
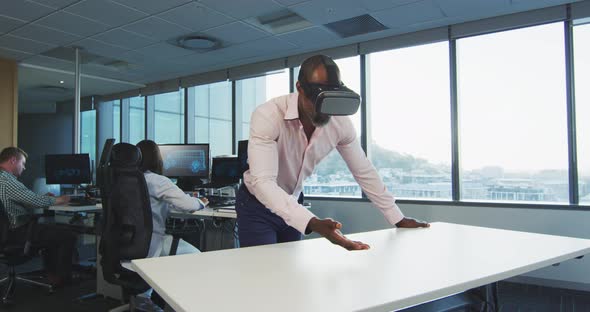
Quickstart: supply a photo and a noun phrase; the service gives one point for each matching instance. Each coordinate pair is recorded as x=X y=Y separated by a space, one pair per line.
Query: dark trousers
x=57 y=243
x=257 y=225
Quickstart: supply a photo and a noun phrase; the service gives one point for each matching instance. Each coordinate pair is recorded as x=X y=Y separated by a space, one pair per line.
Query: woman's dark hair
x=151 y=159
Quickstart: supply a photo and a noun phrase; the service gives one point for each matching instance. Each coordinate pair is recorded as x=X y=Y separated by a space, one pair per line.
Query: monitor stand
x=188 y=184
x=74 y=190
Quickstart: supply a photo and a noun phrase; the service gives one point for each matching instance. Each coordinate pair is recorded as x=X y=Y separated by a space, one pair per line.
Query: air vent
x=114 y=64
x=69 y=54
x=198 y=43
x=354 y=26
x=121 y=65
x=46 y=89
x=281 y=21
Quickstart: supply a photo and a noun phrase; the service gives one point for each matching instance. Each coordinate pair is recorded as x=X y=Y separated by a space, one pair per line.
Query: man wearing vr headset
x=289 y=136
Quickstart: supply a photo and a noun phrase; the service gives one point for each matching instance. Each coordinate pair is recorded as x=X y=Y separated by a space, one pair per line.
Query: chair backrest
x=103 y=171
x=127 y=229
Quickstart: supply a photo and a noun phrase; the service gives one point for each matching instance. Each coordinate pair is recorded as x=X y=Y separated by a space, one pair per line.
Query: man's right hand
x=330 y=229
x=62 y=200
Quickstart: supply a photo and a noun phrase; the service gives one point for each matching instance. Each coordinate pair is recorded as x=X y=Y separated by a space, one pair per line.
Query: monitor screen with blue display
x=185 y=160
x=68 y=169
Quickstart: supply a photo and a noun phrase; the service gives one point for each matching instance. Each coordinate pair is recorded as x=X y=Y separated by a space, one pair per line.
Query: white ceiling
x=139 y=32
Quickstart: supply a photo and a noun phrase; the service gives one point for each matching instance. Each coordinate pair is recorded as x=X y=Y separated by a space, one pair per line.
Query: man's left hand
x=411 y=223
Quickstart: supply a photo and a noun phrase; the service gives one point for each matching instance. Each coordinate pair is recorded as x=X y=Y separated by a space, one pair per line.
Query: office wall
x=41 y=134
x=8 y=103
x=362 y=216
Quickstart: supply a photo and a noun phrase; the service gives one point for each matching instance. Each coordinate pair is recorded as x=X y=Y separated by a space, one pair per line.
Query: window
x=255 y=91
x=331 y=176
x=136 y=119
x=212 y=116
x=107 y=117
x=582 y=96
x=169 y=117
x=88 y=133
x=409 y=120
x=512 y=115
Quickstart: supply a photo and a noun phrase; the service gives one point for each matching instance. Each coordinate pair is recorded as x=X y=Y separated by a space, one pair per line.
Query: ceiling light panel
x=196 y=17
x=245 y=9
x=73 y=24
x=157 y=28
x=152 y=6
x=106 y=12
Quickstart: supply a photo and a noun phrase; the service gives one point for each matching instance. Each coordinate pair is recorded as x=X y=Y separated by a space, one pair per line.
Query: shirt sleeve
x=168 y=192
x=20 y=194
x=263 y=157
x=366 y=175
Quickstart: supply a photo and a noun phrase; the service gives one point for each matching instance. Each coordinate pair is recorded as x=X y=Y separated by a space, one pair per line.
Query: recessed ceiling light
x=61 y=81
x=197 y=42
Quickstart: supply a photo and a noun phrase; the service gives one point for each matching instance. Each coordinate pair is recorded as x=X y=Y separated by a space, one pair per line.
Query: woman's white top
x=165 y=195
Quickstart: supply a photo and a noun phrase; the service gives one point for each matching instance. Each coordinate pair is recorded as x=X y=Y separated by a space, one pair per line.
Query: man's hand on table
x=411 y=223
x=330 y=229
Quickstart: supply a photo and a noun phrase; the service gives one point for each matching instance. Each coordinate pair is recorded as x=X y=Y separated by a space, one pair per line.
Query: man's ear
x=299 y=88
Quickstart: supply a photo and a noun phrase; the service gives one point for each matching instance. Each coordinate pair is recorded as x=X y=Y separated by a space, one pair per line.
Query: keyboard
x=220 y=201
x=216 y=185
x=82 y=201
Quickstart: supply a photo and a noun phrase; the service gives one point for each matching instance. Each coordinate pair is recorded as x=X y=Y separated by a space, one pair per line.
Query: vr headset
x=332 y=98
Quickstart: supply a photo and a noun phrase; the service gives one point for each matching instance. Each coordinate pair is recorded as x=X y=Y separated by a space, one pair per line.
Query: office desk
x=206 y=212
x=403 y=268
x=68 y=208
x=102 y=287
x=179 y=226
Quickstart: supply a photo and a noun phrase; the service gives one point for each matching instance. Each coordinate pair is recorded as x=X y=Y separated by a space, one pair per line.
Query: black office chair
x=12 y=255
x=127 y=227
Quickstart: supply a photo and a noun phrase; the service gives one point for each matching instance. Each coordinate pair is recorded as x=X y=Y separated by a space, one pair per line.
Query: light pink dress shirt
x=281 y=158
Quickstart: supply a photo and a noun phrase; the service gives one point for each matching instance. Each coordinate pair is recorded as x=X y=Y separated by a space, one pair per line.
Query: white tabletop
x=227 y=213
x=68 y=208
x=404 y=267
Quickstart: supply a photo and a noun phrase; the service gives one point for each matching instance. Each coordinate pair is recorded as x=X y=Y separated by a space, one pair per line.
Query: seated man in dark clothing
x=20 y=203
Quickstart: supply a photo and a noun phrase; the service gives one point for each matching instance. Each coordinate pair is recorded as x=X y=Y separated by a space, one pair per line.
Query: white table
x=68 y=208
x=403 y=268
x=205 y=212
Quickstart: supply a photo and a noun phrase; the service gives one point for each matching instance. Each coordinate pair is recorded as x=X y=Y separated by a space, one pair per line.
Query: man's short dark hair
x=10 y=152
x=313 y=62
x=151 y=159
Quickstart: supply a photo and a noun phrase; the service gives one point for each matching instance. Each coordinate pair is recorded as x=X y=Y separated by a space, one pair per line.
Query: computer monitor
x=243 y=156
x=68 y=169
x=189 y=163
x=225 y=170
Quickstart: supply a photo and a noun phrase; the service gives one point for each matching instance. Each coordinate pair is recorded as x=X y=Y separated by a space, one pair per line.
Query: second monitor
x=189 y=163
x=68 y=169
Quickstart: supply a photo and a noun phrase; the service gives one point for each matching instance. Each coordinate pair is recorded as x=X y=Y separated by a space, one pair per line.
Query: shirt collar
x=292 y=111
x=2 y=170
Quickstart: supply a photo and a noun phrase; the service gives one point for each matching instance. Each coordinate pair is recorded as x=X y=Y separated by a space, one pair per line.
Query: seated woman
x=164 y=195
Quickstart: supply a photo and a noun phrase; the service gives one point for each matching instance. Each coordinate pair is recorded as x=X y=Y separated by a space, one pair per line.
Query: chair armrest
x=30 y=232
